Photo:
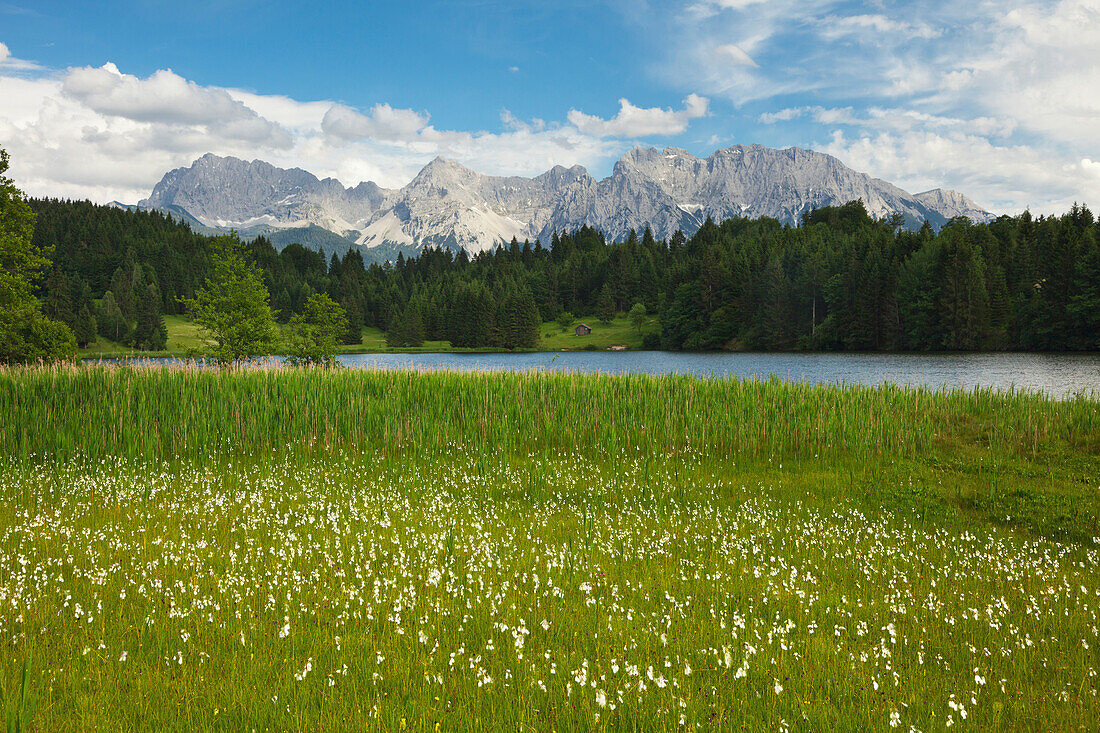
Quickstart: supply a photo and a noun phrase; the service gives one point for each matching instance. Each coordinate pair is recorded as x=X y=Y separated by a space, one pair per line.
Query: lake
x=1059 y=375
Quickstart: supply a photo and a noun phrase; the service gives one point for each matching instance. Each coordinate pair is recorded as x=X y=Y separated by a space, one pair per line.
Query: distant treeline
x=840 y=281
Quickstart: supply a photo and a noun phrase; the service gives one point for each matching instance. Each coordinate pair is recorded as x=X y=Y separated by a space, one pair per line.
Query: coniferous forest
x=840 y=281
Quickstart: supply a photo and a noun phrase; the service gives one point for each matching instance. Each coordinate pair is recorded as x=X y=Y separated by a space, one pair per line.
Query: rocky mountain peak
x=952 y=203
x=452 y=205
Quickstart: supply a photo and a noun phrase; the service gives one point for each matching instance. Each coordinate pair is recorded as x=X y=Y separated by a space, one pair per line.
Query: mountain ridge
x=449 y=204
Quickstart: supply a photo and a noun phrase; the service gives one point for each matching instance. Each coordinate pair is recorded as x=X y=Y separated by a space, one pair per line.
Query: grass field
x=184 y=337
x=349 y=550
x=620 y=332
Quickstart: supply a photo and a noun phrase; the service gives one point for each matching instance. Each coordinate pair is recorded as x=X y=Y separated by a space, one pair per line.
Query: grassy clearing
x=304 y=550
x=620 y=332
x=184 y=338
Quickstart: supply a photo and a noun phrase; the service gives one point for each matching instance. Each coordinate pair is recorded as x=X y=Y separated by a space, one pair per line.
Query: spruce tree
x=25 y=333
x=353 y=334
x=124 y=293
x=150 y=333
x=605 y=306
x=85 y=329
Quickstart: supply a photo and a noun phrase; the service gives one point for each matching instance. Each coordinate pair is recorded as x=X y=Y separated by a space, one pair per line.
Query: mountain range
x=448 y=204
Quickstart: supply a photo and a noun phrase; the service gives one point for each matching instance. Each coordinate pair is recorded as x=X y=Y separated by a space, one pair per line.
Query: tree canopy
x=839 y=281
x=26 y=334
x=316 y=332
x=232 y=307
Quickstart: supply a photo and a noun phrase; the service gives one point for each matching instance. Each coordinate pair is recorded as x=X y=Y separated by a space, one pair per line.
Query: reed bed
x=190 y=412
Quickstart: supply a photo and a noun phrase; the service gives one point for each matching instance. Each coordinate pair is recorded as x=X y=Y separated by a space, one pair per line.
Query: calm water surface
x=1060 y=375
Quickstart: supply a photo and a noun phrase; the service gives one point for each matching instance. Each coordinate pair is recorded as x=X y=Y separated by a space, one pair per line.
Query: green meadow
x=302 y=549
x=185 y=338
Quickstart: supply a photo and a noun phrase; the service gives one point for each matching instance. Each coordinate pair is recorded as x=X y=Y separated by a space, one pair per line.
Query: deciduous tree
x=233 y=307
x=316 y=332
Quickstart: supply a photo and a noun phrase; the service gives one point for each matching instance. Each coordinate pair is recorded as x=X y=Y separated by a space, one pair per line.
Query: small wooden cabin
x=582 y=329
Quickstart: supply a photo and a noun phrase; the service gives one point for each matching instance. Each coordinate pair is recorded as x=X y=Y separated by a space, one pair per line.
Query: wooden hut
x=582 y=329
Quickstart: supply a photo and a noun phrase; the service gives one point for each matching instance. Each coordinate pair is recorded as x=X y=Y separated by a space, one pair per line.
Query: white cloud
x=636 y=122
x=784 y=115
x=733 y=55
x=165 y=97
x=290 y=113
x=9 y=63
x=1041 y=68
x=872 y=25
x=1003 y=178
x=383 y=123
x=102 y=134
x=511 y=122
x=998 y=100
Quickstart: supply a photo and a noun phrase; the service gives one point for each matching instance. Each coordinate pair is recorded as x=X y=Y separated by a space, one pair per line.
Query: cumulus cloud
x=290 y=113
x=1005 y=178
x=975 y=96
x=383 y=122
x=636 y=122
x=512 y=122
x=99 y=133
x=167 y=98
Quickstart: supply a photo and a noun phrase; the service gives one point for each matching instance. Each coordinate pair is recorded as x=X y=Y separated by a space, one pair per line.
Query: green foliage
x=85 y=330
x=637 y=317
x=232 y=308
x=109 y=319
x=470 y=314
x=25 y=333
x=316 y=332
x=841 y=281
x=407 y=329
x=605 y=305
x=565 y=320
x=150 y=333
x=1084 y=305
x=19 y=259
x=518 y=321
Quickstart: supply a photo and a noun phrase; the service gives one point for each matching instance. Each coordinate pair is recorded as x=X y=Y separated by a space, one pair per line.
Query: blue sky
x=998 y=100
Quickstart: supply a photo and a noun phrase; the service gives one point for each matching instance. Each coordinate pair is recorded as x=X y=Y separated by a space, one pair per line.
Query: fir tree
x=150 y=333
x=605 y=306
x=25 y=333
x=85 y=329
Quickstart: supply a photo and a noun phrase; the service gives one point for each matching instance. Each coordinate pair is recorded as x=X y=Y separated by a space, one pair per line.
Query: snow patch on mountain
x=448 y=204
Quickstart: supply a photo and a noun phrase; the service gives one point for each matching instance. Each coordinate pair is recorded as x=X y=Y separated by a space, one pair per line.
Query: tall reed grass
x=188 y=412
